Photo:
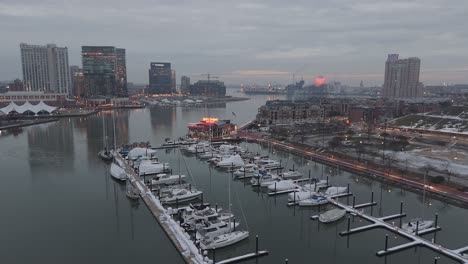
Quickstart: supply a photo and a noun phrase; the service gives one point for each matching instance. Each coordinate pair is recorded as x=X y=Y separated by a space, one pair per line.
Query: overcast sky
x=249 y=41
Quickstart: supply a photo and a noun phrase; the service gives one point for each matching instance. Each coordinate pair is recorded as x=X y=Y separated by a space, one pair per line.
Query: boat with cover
x=332 y=215
x=131 y=191
x=264 y=178
x=314 y=200
x=283 y=185
x=118 y=172
x=211 y=228
x=292 y=174
x=268 y=164
x=224 y=240
x=138 y=152
x=151 y=167
x=164 y=178
x=234 y=161
x=247 y=169
x=180 y=195
x=417 y=224
x=332 y=191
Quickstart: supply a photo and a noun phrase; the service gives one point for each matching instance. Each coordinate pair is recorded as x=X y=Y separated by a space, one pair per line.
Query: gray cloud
x=346 y=40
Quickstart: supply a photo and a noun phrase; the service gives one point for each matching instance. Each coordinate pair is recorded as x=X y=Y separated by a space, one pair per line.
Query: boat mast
x=229 y=200
x=104 y=141
x=113 y=124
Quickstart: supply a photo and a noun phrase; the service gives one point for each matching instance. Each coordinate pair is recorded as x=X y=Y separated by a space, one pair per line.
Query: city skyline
x=339 y=40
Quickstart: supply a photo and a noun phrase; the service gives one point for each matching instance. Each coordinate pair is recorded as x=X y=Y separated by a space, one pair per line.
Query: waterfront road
x=444 y=192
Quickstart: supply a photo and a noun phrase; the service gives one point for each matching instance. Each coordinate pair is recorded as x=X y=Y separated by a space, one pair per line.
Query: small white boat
x=117 y=172
x=214 y=227
x=247 y=170
x=224 y=240
x=315 y=186
x=283 y=185
x=292 y=174
x=167 y=179
x=332 y=191
x=152 y=167
x=234 y=161
x=332 y=215
x=131 y=191
x=410 y=227
x=314 y=201
x=264 y=179
x=180 y=196
x=268 y=164
x=135 y=153
x=106 y=155
x=300 y=195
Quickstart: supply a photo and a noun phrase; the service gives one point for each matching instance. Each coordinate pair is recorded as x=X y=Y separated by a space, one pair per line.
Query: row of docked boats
x=211 y=227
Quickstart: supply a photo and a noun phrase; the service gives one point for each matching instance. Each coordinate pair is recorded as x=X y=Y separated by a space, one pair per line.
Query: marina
x=110 y=210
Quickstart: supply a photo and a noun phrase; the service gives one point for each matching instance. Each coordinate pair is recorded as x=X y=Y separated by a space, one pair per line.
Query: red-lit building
x=210 y=127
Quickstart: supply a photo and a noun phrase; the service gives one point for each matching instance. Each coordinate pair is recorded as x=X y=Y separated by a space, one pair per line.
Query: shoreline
x=24 y=124
x=413 y=184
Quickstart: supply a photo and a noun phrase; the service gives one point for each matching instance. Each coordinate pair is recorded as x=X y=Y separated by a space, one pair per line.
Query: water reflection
x=51 y=145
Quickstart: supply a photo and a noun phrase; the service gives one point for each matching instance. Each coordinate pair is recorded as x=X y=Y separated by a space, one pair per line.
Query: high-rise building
x=402 y=77
x=174 y=82
x=184 y=84
x=16 y=86
x=45 y=68
x=121 y=73
x=104 y=71
x=160 y=78
x=78 y=81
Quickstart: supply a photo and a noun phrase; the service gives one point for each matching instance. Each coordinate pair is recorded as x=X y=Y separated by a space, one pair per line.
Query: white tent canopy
x=20 y=109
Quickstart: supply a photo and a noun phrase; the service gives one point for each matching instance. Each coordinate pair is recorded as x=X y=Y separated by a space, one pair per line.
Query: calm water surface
x=59 y=205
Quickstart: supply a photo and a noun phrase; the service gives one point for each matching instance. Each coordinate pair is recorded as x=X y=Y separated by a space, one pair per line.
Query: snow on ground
x=441 y=160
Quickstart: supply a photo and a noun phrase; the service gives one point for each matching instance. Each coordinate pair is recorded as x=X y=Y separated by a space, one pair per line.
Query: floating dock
x=415 y=239
x=181 y=241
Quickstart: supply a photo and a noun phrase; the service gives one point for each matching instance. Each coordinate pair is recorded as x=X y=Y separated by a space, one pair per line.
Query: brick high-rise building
x=402 y=78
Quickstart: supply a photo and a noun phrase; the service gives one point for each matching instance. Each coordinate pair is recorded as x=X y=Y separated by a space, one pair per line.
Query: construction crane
x=209 y=76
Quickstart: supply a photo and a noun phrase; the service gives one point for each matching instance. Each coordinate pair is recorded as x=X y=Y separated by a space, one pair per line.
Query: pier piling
x=386 y=242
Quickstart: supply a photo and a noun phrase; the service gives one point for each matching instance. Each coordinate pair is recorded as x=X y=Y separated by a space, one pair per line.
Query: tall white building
x=45 y=68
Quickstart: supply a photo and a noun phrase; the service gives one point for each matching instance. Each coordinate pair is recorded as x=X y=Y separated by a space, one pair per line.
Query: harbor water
x=59 y=204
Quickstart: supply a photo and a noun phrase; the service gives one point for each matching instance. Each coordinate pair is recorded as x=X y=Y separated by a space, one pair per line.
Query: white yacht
x=167 y=179
x=224 y=240
x=117 y=172
x=292 y=174
x=283 y=185
x=332 y=215
x=268 y=164
x=234 y=161
x=247 y=170
x=152 y=167
x=314 y=200
x=180 y=196
x=131 y=191
x=332 y=191
x=264 y=179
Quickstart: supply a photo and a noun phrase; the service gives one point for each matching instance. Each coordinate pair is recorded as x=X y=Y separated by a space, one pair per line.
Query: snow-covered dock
x=179 y=238
x=415 y=239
